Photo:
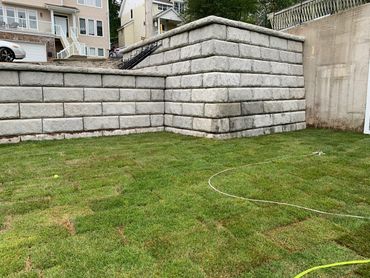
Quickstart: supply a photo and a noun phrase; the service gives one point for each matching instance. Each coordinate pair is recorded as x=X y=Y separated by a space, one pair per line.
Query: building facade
x=142 y=19
x=57 y=28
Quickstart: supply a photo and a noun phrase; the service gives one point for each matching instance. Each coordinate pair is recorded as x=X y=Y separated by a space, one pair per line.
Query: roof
x=166 y=2
x=169 y=14
x=61 y=8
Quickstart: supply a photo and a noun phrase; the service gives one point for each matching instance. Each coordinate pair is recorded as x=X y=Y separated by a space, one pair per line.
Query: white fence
x=310 y=10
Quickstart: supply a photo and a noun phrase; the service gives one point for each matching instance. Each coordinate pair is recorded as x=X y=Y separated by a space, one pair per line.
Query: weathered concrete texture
x=29 y=78
x=336 y=66
x=63 y=94
x=220 y=73
x=19 y=127
x=62 y=125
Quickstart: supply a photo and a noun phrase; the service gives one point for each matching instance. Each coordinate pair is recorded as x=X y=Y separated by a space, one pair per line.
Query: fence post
x=367 y=111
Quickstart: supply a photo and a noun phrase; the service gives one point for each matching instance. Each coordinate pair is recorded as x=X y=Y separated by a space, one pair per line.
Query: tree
x=241 y=10
x=252 y=11
x=115 y=21
x=269 y=6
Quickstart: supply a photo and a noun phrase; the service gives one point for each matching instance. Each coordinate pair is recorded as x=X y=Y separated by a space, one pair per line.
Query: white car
x=10 y=51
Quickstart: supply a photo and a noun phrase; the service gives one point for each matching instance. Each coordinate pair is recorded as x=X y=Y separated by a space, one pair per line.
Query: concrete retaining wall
x=214 y=78
x=39 y=103
x=336 y=62
x=229 y=79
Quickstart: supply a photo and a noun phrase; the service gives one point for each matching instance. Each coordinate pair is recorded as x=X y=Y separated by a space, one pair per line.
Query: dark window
x=82 y=26
x=132 y=14
x=99 y=28
x=162 y=7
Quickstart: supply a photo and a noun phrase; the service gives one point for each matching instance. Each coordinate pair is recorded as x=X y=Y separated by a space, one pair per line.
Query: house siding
x=44 y=23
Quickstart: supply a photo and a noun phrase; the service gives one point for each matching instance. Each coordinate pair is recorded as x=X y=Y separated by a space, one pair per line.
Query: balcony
x=23 y=25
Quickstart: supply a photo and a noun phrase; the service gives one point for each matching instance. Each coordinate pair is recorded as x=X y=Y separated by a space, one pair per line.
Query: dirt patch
x=122 y=236
x=69 y=226
x=28 y=264
x=7 y=224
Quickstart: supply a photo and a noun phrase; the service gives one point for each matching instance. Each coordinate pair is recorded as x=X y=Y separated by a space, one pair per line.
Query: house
x=56 y=28
x=142 y=19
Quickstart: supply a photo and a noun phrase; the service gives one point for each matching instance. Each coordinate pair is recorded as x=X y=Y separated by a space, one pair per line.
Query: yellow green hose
x=331 y=265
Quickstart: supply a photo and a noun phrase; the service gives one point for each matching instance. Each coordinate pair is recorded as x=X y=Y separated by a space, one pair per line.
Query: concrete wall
x=336 y=63
x=229 y=79
x=39 y=103
x=214 y=78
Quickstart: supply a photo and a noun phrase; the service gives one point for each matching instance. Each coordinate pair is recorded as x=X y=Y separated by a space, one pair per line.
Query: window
x=99 y=28
x=179 y=7
x=91 y=27
x=94 y=3
x=100 y=52
x=92 y=51
x=32 y=18
x=1 y=16
x=132 y=14
x=10 y=15
x=162 y=7
x=22 y=18
x=82 y=26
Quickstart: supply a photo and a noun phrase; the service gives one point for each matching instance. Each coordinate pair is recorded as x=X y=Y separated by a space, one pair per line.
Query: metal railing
x=71 y=50
x=74 y=48
x=139 y=56
x=80 y=47
x=9 y=23
x=310 y=10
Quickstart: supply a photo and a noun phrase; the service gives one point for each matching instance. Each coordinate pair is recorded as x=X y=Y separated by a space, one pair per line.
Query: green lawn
x=140 y=206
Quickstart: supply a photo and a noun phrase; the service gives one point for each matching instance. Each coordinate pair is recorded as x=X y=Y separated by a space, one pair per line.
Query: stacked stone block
x=214 y=77
x=230 y=79
x=37 y=104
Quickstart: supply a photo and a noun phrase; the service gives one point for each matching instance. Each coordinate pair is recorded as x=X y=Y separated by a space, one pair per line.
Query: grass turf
x=140 y=206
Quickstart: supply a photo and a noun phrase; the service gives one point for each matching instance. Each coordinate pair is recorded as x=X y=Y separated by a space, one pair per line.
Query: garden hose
x=319 y=153
x=275 y=202
x=329 y=266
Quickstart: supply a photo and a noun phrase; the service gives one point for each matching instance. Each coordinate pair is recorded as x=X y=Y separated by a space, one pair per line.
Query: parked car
x=115 y=52
x=10 y=51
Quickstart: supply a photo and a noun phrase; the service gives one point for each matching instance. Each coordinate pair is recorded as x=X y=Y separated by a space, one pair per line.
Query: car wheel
x=6 y=55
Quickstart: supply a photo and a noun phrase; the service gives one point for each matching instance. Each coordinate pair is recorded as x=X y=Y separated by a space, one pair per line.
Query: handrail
x=310 y=10
x=73 y=49
x=62 y=35
x=70 y=48
x=81 y=48
x=25 y=25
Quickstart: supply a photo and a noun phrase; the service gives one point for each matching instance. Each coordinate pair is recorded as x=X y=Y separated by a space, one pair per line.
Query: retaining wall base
x=62 y=136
